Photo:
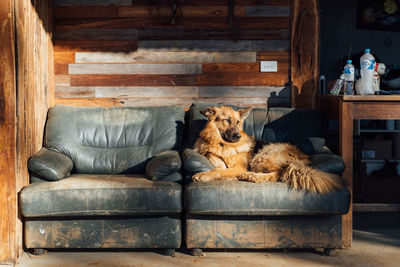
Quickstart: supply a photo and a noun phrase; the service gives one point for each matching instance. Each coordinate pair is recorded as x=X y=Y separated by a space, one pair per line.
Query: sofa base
x=104 y=232
x=256 y=232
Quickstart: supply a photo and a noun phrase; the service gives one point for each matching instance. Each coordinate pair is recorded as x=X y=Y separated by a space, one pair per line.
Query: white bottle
x=348 y=78
x=367 y=63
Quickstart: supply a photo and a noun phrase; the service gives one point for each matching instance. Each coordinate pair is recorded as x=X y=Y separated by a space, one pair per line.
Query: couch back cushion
x=113 y=140
x=301 y=127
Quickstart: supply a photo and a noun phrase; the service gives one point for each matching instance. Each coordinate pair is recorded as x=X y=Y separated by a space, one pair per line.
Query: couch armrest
x=327 y=161
x=163 y=165
x=50 y=165
x=195 y=162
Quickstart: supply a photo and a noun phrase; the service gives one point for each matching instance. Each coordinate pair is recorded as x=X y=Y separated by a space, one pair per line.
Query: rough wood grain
x=129 y=38
x=146 y=91
x=267 y=11
x=243 y=79
x=35 y=83
x=346 y=151
x=193 y=24
x=143 y=11
x=64 y=57
x=305 y=53
x=165 y=57
x=62 y=80
x=212 y=45
x=158 y=69
x=280 y=56
x=86 y=12
x=92 y=3
x=131 y=80
x=240 y=91
x=94 y=46
x=8 y=204
x=223 y=2
x=97 y=34
x=183 y=102
x=60 y=68
x=74 y=91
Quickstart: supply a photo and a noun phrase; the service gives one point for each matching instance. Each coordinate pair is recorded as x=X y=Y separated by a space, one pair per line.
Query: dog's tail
x=301 y=176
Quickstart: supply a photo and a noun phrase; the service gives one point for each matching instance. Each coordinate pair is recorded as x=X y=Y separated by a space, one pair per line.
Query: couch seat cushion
x=98 y=195
x=244 y=198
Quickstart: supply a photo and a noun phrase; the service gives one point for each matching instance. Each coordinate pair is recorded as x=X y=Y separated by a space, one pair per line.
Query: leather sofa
x=106 y=178
x=238 y=214
x=111 y=178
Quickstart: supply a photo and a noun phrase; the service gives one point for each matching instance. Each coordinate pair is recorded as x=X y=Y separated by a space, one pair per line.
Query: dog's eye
x=237 y=122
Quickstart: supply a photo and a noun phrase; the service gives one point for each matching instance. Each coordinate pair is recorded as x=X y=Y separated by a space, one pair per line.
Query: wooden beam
x=305 y=53
x=8 y=194
x=35 y=85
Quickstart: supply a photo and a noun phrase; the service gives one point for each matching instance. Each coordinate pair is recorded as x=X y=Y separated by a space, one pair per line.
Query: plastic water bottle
x=348 y=78
x=367 y=63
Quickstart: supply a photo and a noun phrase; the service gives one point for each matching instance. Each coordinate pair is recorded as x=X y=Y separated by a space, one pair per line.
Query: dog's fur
x=230 y=150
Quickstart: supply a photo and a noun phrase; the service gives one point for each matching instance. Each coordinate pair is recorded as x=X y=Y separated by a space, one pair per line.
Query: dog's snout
x=236 y=135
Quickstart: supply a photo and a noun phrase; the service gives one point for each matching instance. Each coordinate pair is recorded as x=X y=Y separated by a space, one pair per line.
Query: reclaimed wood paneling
x=92 y=2
x=8 y=199
x=147 y=91
x=231 y=46
x=131 y=80
x=183 y=102
x=121 y=54
x=165 y=57
x=205 y=11
x=173 y=91
x=134 y=69
x=94 y=46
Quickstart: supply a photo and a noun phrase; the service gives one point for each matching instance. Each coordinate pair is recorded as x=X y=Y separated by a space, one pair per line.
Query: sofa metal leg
x=198 y=252
x=169 y=252
x=37 y=251
x=330 y=251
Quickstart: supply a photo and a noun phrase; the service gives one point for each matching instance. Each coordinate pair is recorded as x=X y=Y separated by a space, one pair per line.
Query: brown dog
x=224 y=143
x=229 y=149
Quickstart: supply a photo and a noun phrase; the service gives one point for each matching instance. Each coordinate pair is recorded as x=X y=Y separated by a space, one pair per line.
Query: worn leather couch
x=106 y=178
x=238 y=214
x=111 y=178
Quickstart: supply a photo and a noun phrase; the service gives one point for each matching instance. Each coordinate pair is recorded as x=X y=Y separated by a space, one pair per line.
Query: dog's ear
x=208 y=112
x=245 y=112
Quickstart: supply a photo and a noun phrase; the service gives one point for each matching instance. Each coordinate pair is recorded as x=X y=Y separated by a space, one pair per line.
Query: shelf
x=379 y=131
x=379 y=160
x=376 y=207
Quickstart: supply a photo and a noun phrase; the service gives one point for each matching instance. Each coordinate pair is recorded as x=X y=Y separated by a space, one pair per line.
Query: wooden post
x=305 y=53
x=35 y=84
x=8 y=195
x=346 y=151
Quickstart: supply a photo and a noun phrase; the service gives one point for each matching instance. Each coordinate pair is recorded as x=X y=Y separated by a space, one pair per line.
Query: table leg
x=346 y=151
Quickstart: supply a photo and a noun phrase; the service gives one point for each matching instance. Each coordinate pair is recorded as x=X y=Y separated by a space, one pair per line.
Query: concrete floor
x=376 y=243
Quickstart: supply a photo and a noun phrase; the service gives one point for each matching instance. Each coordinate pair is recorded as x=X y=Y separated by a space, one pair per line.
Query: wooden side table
x=346 y=109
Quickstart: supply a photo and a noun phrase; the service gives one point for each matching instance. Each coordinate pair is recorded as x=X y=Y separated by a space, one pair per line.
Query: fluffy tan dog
x=287 y=163
x=230 y=149
x=224 y=143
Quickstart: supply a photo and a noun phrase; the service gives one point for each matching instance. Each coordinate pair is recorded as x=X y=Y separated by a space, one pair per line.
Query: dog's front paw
x=202 y=177
x=249 y=177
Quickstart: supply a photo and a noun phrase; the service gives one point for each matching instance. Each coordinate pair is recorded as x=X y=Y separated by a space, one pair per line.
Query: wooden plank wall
x=114 y=53
x=8 y=195
x=35 y=90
